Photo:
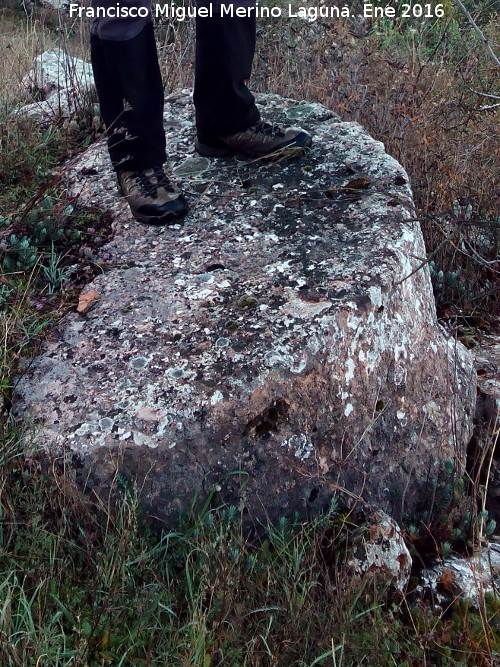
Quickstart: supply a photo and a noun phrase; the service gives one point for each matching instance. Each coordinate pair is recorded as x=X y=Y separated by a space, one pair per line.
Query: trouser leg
x=130 y=91
x=225 y=49
x=126 y=68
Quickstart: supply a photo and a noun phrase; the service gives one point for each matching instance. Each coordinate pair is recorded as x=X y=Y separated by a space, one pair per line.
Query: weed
x=86 y=583
x=55 y=275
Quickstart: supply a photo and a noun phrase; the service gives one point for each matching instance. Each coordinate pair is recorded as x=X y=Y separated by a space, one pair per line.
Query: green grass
x=83 y=584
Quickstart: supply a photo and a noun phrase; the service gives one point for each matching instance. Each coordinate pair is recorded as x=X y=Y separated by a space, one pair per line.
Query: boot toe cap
x=169 y=212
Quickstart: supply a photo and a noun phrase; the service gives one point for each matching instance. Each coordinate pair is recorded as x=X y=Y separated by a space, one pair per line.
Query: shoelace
x=151 y=179
x=271 y=129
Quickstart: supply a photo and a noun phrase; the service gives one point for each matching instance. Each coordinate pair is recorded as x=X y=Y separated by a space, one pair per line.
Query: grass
x=87 y=585
x=83 y=582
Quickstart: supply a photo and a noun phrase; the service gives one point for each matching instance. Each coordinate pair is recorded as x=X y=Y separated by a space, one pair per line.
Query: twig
x=478 y=92
x=429 y=258
x=479 y=32
x=488 y=107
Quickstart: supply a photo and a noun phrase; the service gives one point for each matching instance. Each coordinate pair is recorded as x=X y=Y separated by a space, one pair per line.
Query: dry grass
x=20 y=42
x=88 y=584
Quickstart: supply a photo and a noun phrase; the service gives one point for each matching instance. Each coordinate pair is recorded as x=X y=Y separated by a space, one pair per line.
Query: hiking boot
x=258 y=141
x=152 y=198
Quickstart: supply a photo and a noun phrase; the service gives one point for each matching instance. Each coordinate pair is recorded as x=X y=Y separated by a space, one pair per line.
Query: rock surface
x=278 y=346
x=487 y=363
x=470 y=578
x=380 y=553
x=63 y=85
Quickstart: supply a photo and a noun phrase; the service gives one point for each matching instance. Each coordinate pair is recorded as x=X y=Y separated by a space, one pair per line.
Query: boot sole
x=213 y=151
x=171 y=218
x=165 y=220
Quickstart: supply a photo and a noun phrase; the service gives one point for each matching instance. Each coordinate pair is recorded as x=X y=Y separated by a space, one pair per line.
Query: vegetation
x=88 y=583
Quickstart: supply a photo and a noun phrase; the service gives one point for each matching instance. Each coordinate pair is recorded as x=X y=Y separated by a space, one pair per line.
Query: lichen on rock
x=470 y=577
x=282 y=341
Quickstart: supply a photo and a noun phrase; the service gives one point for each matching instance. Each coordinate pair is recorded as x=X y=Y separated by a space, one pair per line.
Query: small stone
x=470 y=578
x=379 y=553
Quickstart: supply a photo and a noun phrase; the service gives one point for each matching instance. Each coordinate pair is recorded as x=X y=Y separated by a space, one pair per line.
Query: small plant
x=55 y=274
x=45 y=225
x=443 y=522
x=486 y=526
x=20 y=255
x=6 y=294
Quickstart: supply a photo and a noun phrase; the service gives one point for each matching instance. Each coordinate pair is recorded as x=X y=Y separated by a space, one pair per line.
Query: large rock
x=62 y=84
x=279 y=346
x=470 y=578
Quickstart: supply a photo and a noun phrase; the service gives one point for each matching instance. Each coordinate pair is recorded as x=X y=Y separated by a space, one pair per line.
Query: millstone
x=280 y=345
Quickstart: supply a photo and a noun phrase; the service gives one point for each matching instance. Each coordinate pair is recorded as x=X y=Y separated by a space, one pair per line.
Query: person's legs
x=227 y=120
x=225 y=48
x=127 y=73
x=130 y=92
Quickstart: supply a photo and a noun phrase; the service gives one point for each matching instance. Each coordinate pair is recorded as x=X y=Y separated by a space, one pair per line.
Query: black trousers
x=130 y=89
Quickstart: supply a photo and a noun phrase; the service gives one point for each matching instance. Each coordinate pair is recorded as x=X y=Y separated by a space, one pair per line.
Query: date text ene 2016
x=406 y=11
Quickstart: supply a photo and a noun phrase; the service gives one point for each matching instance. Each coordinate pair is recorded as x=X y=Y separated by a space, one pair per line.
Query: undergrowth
x=87 y=582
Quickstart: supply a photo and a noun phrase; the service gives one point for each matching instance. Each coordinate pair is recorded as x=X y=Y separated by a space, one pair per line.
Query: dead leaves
x=357 y=184
x=86 y=300
x=447 y=579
